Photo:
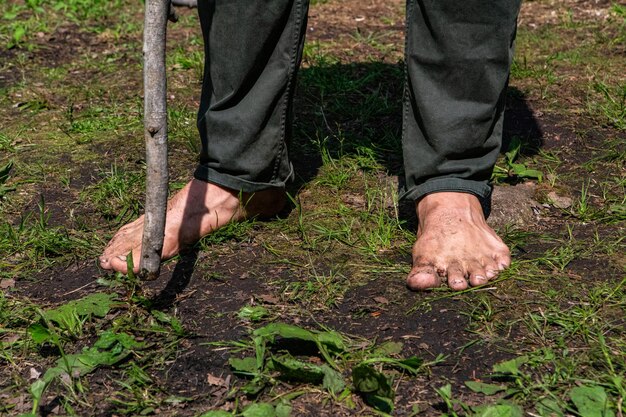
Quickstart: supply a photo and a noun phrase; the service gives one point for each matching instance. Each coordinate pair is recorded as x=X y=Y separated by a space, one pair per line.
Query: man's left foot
x=454 y=244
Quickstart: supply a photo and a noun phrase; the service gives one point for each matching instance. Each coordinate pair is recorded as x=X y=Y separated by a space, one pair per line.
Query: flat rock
x=559 y=201
x=513 y=205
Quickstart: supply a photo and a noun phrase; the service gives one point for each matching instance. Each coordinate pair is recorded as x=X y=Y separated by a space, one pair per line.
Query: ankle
x=447 y=200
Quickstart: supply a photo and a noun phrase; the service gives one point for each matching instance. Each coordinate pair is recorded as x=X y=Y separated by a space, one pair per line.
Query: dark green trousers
x=458 y=55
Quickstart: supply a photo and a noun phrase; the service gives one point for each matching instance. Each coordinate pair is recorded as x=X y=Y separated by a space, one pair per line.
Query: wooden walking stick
x=155 y=133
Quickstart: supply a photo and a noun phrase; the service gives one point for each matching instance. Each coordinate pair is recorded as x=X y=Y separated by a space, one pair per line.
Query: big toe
x=423 y=277
x=105 y=262
x=120 y=263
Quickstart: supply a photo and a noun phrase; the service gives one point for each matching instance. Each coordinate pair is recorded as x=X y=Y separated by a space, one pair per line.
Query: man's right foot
x=454 y=244
x=195 y=211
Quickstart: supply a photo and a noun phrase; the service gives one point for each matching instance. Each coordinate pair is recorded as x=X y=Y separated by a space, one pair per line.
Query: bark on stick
x=155 y=132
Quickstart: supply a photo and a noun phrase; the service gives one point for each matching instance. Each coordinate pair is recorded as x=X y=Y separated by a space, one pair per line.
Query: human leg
x=458 y=56
x=252 y=52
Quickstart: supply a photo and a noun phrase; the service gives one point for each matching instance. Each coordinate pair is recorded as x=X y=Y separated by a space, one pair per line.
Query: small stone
x=34 y=374
x=215 y=380
x=7 y=283
x=381 y=300
x=558 y=201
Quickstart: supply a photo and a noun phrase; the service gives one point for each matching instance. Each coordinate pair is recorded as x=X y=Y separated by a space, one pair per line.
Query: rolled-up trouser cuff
x=480 y=189
x=204 y=173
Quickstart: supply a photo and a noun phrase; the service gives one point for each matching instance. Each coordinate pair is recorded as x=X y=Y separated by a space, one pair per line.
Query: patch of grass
x=32 y=244
x=97 y=122
x=117 y=194
x=184 y=59
x=542 y=74
x=609 y=102
x=25 y=20
x=318 y=291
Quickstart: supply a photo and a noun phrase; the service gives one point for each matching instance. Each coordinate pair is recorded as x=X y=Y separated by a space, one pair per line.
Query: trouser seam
x=405 y=112
x=292 y=64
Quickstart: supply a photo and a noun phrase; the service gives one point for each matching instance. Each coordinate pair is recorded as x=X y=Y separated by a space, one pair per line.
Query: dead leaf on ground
x=381 y=300
x=215 y=380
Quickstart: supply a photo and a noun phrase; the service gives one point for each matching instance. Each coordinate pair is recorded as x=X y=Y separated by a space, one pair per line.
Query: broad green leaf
x=411 y=364
x=39 y=333
x=216 y=413
x=366 y=379
x=255 y=313
x=246 y=365
x=259 y=350
x=109 y=339
x=255 y=386
x=388 y=348
x=89 y=359
x=259 y=410
x=332 y=340
x=295 y=370
x=522 y=171
x=510 y=367
x=484 y=388
x=591 y=401
x=333 y=380
x=374 y=387
x=283 y=410
x=81 y=364
x=498 y=410
x=514 y=148
x=379 y=402
x=286 y=331
x=97 y=305
x=549 y=407
x=37 y=388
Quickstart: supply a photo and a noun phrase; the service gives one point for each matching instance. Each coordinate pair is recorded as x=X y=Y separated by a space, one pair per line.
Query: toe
x=423 y=277
x=503 y=260
x=118 y=263
x=491 y=272
x=456 y=278
x=477 y=275
x=104 y=262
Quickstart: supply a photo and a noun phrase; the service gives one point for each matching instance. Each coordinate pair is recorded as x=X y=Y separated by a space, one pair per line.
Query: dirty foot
x=454 y=244
x=195 y=211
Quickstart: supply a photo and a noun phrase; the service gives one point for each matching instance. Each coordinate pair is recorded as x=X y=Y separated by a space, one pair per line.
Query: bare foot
x=195 y=211
x=454 y=243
